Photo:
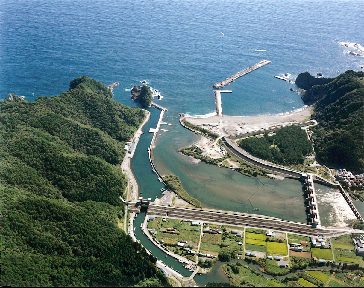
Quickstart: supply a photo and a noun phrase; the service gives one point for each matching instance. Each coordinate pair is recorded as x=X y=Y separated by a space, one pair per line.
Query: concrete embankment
x=151 y=238
x=233 y=147
x=152 y=143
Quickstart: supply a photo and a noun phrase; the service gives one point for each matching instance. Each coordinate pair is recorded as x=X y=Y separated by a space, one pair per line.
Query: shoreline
x=235 y=126
x=126 y=164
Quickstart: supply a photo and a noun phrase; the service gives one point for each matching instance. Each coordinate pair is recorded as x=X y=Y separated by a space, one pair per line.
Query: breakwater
x=152 y=143
x=241 y=73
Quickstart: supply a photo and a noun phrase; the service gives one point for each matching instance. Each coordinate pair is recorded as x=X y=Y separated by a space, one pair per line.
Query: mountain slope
x=339 y=109
x=60 y=188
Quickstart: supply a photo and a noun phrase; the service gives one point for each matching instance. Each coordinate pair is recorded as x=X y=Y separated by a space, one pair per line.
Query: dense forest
x=60 y=187
x=143 y=95
x=288 y=146
x=339 y=109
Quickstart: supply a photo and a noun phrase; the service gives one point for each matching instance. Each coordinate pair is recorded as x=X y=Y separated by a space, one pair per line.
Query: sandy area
x=210 y=148
x=170 y=198
x=340 y=213
x=239 y=125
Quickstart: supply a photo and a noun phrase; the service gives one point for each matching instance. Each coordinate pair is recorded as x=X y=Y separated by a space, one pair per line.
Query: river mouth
x=225 y=189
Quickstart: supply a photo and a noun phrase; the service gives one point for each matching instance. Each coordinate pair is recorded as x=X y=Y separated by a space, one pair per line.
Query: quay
x=241 y=73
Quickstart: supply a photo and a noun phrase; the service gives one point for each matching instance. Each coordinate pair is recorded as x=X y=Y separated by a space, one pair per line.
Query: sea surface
x=182 y=47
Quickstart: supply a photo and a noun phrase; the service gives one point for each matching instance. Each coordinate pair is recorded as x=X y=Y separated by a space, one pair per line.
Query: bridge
x=245 y=220
x=241 y=73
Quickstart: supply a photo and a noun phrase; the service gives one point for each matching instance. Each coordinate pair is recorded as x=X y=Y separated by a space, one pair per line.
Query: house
x=359 y=245
x=195 y=223
x=283 y=264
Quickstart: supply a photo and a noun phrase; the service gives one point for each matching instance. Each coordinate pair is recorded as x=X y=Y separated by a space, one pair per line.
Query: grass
x=187 y=232
x=304 y=283
x=294 y=238
x=257 y=236
x=318 y=275
x=255 y=242
x=273 y=268
x=344 y=242
x=174 y=183
x=249 y=277
x=251 y=247
x=210 y=243
x=275 y=248
x=319 y=253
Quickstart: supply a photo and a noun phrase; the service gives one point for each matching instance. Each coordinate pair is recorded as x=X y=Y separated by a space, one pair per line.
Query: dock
x=218 y=102
x=241 y=73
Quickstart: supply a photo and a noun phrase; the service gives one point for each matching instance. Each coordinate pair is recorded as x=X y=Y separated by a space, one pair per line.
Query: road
x=243 y=219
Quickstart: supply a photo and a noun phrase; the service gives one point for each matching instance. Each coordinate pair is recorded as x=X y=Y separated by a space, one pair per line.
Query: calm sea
x=182 y=47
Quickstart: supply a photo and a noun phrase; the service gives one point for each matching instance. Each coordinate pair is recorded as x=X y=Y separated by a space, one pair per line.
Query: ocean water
x=182 y=47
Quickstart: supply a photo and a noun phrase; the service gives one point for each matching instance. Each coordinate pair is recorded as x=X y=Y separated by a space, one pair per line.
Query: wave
x=202 y=115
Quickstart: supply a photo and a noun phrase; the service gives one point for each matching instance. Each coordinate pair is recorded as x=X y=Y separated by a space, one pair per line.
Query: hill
x=60 y=187
x=289 y=145
x=339 y=109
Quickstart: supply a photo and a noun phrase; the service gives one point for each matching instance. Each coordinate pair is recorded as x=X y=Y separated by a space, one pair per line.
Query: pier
x=152 y=143
x=241 y=73
x=218 y=102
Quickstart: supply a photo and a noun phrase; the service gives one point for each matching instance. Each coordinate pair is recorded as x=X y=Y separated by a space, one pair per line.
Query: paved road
x=242 y=219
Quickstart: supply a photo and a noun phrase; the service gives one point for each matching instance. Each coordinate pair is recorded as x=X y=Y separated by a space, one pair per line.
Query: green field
x=248 y=277
x=210 y=243
x=318 y=275
x=304 y=283
x=275 y=248
x=319 y=253
x=252 y=247
x=344 y=242
x=257 y=236
x=186 y=232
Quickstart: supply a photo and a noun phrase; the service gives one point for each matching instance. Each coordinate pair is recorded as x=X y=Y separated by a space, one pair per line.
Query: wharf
x=241 y=73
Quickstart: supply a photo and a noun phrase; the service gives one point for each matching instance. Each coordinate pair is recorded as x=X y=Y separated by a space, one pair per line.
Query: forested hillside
x=60 y=187
x=339 y=109
x=288 y=146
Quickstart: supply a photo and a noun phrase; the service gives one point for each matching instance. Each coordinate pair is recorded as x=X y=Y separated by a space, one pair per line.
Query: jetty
x=241 y=73
x=218 y=103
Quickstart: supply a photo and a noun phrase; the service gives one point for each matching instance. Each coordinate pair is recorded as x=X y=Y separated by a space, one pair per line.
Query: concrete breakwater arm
x=241 y=73
x=152 y=143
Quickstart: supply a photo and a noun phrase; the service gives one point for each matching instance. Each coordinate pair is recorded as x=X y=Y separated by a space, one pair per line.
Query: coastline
x=133 y=191
x=234 y=126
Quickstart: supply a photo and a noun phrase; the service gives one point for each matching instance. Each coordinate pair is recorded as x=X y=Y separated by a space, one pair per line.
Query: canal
x=149 y=187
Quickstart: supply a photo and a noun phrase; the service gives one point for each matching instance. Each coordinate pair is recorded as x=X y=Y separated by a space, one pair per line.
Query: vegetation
x=60 y=189
x=174 y=183
x=288 y=146
x=201 y=130
x=196 y=153
x=143 y=95
x=339 y=110
x=306 y=81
